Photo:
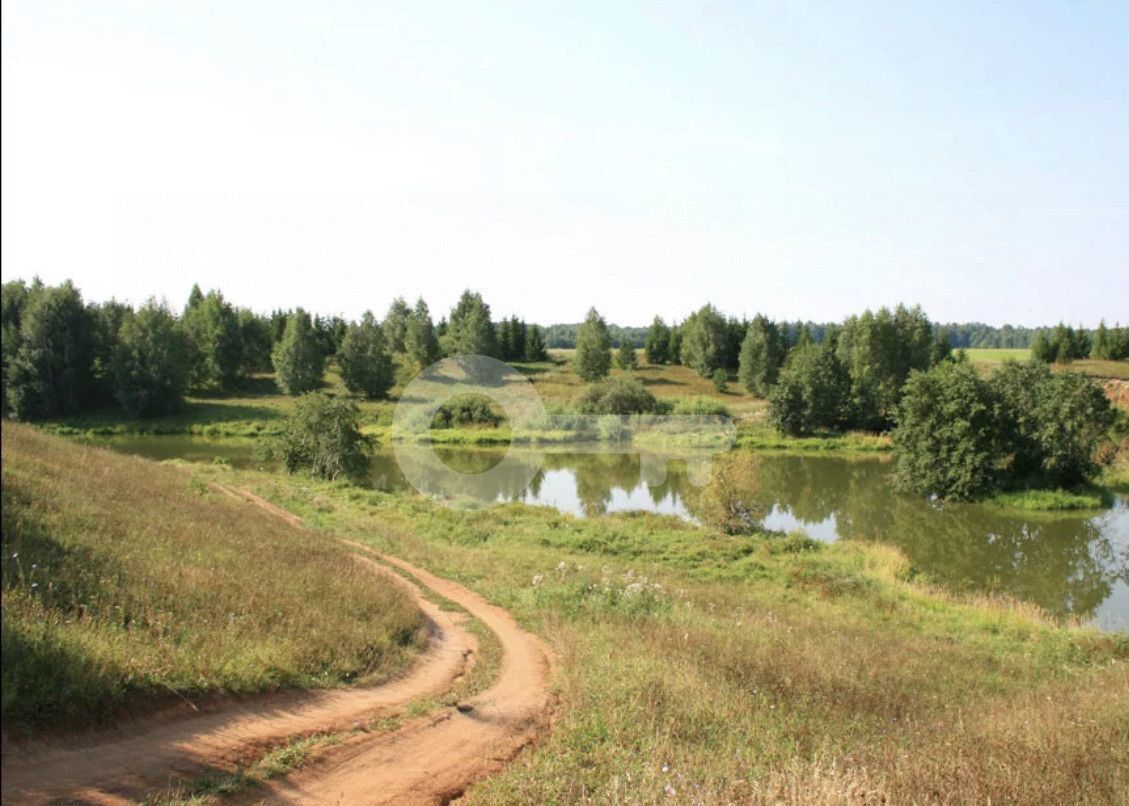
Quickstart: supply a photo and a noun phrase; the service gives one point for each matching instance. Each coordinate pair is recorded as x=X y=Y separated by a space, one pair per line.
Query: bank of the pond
x=1073 y=564
x=730 y=668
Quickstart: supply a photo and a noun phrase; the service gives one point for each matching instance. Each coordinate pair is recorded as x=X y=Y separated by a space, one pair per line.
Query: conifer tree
x=535 y=345
x=298 y=358
x=658 y=342
x=396 y=325
x=366 y=366
x=421 y=342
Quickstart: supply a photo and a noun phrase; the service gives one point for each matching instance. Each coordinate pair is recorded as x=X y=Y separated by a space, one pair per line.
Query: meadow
x=699 y=667
x=127 y=581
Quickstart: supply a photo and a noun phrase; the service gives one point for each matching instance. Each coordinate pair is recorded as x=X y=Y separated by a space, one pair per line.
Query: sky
x=800 y=159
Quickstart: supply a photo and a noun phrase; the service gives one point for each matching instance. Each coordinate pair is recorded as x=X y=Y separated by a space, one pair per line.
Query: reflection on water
x=1077 y=565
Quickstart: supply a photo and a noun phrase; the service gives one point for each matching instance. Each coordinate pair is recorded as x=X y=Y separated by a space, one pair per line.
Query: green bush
x=321 y=436
x=616 y=396
x=465 y=410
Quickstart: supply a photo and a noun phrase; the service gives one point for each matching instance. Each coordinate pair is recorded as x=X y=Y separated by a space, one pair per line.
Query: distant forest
x=965 y=334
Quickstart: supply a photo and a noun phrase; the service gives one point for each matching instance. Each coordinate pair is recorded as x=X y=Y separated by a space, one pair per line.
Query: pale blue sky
x=796 y=158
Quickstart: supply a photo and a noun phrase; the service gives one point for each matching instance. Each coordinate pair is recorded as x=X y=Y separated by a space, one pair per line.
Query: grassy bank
x=1052 y=500
x=125 y=579
x=698 y=667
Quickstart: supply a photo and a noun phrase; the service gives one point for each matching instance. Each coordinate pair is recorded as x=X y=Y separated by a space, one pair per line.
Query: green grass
x=1052 y=500
x=759 y=668
x=988 y=359
x=126 y=580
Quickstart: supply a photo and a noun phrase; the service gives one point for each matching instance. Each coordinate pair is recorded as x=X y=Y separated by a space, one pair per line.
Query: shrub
x=727 y=502
x=625 y=357
x=321 y=436
x=947 y=439
x=616 y=396
x=465 y=410
x=720 y=379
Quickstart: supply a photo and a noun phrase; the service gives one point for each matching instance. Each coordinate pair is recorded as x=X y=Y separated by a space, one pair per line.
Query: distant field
x=997 y=356
x=126 y=578
x=989 y=359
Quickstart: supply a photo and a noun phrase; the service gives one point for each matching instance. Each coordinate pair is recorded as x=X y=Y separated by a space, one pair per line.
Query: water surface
x=1071 y=564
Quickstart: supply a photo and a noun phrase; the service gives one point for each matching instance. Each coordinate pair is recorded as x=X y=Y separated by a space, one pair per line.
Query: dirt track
x=428 y=761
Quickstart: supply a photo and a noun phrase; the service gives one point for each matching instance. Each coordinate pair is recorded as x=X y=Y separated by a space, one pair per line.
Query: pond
x=1071 y=564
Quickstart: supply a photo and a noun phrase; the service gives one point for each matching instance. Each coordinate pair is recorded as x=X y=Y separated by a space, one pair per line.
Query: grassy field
x=989 y=359
x=696 y=667
x=126 y=580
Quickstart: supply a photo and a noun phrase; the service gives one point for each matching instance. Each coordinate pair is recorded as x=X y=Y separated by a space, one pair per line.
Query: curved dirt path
x=428 y=761
x=436 y=761
x=140 y=755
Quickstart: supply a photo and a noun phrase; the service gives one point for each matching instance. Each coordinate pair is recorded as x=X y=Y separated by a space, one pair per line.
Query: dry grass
x=125 y=578
x=764 y=669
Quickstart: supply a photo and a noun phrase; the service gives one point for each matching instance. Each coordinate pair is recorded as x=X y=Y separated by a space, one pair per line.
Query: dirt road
x=427 y=761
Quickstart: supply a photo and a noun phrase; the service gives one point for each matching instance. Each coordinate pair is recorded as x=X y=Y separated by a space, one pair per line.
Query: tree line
x=968 y=335
x=63 y=355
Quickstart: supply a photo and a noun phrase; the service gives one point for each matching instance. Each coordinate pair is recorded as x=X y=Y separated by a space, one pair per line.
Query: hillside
x=126 y=580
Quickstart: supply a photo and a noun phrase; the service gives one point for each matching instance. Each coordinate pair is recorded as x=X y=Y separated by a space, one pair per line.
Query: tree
x=1041 y=348
x=625 y=356
x=216 y=351
x=298 y=358
x=322 y=436
x=518 y=335
x=812 y=392
x=255 y=341
x=366 y=366
x=1051 y=423
x=1100 y=347
x=593 y=356
x=942 y=348
x=396 y=325
x=106 y=320
x=150 y=362
x=762 y=354
x=674 y=354
x=505 y=340
x=535 y=345
x=470 y=330
x=720 y=380
x=50 y=372
x=195 y=297
x=13 y=301
x=880 y=350
x=421 y=344
x=946 y=439
x=704 y=340
x=658 y=342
